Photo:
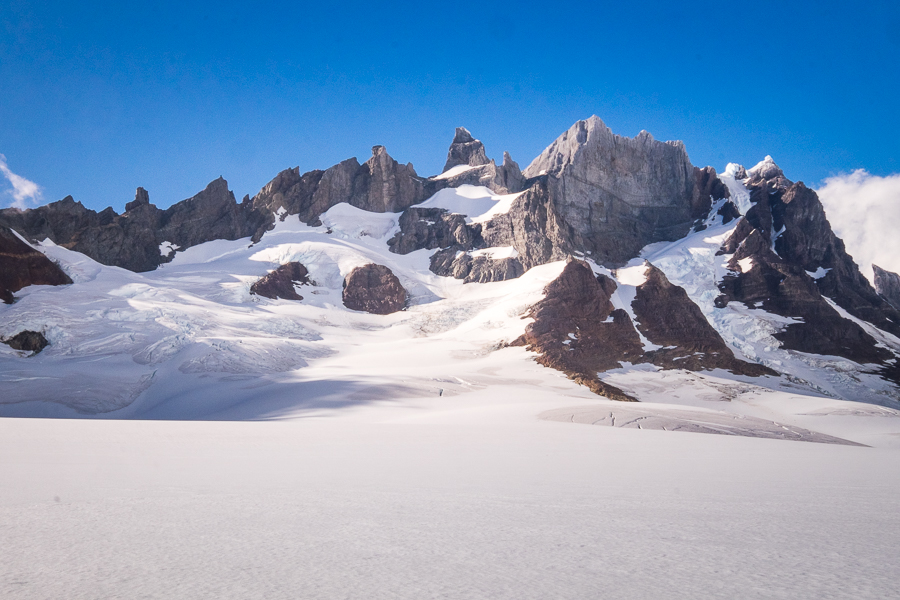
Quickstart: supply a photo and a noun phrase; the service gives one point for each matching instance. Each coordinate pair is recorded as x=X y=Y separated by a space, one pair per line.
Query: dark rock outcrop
x=21 y=266
x=614 y=194
x=577 y=330
x=430 y=228
x=28 y=341
x=451 y=262
x=531 y=226
x=141 y=198
x=280 y=282
x=667 y=317
x=887 y=284
x=131 y=240
x=374 y=289
x=572 y=330
x=768 y=281
x=790 y=219
x=707 y=189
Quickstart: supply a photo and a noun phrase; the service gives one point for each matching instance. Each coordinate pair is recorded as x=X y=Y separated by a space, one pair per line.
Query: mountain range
x=608 y=260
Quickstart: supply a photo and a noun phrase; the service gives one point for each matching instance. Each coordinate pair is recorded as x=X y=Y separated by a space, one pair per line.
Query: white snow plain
x=241 y=447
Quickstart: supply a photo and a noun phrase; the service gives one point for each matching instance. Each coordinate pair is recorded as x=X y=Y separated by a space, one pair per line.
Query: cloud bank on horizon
x=22 y=191
x=864 y=211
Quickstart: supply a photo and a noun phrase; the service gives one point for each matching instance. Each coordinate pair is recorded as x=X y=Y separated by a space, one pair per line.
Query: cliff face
x=789 y=229
x=887 y=284
x=617 y=194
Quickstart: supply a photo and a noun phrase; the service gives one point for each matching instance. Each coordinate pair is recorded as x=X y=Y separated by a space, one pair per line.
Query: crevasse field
x=240 y=447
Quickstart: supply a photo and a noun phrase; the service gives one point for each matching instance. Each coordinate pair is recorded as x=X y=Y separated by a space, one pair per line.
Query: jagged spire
x=465 y=150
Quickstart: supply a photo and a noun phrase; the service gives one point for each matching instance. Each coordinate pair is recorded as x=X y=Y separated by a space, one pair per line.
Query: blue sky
x=97 y=99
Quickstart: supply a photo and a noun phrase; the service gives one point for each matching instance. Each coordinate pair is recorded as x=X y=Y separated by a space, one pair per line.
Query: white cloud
x=22 y=190
x=864 y=211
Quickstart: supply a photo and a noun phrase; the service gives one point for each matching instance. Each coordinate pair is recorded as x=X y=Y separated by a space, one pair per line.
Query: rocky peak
x=887 y=284
x=465 y=150
x=617 y=194
x=767 y=172
x=382 y=184
x=463 y=136
x=141 y=198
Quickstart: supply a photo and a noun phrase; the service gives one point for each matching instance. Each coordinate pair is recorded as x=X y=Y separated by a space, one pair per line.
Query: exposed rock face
x=469 y=152
x=707 y=189
x=667 y=317
x=532 y=227
x=451 y=262
x=141 y=198
x=577 y=330
x=887 y=284
x=617 y=194
x=762 y=279
x=21 y=266
x=790 y=217
x=572 y=331
x=381 y=184
x=29 y=341
x=212 y=214
x=131 y=240
x=374 y=289
x=280 y=282
x=429 y=228
x=465 y=150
